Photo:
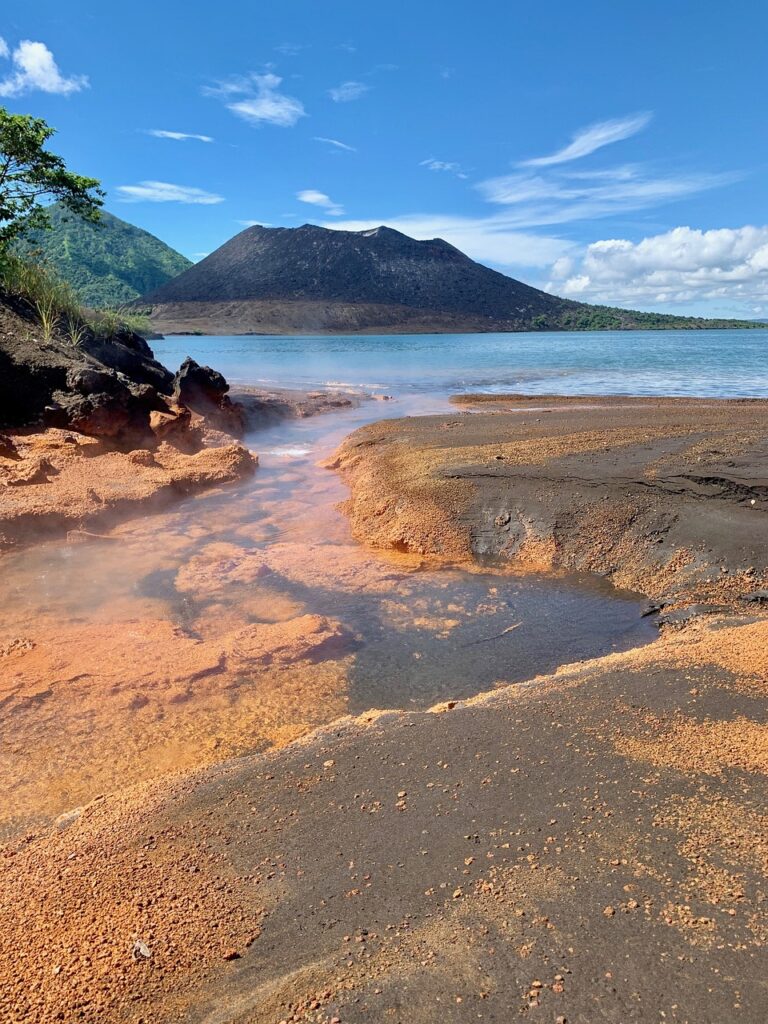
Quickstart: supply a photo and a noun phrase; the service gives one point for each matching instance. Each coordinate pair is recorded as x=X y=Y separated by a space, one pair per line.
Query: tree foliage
x=30 y=175
x=107 y=264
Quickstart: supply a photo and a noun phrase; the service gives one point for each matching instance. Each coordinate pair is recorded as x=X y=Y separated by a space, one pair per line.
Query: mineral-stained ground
x=588 y=846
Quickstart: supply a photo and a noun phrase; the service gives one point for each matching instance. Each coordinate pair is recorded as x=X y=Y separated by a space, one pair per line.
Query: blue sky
x=610 y=152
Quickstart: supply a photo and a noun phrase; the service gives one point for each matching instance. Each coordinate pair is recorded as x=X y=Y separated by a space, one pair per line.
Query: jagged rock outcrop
x=204 y=391
x=112 y=388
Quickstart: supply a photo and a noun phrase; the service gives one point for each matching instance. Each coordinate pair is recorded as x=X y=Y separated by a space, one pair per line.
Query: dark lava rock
x=757 y=597
x=196 y=385
x=98 y=387
x=204 y=391
x=101 y=387
x=682 y=616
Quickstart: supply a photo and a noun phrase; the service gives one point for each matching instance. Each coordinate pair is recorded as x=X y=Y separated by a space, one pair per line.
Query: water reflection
x=246 y=616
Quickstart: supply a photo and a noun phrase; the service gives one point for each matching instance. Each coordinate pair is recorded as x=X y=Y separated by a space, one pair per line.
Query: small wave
x=289 y=452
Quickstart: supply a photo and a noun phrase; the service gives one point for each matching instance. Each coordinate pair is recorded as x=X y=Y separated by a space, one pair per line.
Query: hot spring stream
x=133 y=673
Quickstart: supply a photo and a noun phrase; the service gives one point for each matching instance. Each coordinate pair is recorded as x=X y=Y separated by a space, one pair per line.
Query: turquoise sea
x=708 y=363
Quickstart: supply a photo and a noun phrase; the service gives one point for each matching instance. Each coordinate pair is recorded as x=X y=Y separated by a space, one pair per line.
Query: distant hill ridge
x=312 y=279
x=109 y=263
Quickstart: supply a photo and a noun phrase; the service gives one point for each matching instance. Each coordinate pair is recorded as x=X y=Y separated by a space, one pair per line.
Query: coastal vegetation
x=57 y=307
x=30 y=176
x=613 y=318
x=108 y=263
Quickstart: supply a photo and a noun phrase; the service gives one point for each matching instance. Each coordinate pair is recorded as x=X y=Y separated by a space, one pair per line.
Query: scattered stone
x=140 y=951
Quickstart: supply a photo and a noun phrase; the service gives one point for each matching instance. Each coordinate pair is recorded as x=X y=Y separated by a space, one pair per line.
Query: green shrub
x=55 y=305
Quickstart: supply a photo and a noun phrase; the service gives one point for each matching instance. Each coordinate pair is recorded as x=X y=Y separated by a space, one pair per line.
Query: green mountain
x=109 y=263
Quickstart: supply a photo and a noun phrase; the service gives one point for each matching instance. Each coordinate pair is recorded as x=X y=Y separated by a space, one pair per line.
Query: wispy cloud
x=336 y=143
x=160 y=133
x=443 y=165
x=261 y=101
x=560 y=199
x=165 y=192
x=348 y=91
x=592 y=138
x=254 y=224
x=35 y=69
x=680 y=266
x=315 y=198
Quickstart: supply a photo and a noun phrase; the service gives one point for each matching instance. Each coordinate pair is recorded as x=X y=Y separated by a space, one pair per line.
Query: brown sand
x=667 y=497
x=57 y=480
x=588 y=846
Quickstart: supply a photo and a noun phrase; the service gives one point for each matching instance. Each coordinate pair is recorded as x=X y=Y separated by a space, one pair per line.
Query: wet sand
x=664 y=496
x=244 y=617
x=53 y=481
x=589 y=846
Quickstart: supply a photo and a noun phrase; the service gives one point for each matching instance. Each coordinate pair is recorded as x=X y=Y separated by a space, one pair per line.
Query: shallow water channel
x=136 y=663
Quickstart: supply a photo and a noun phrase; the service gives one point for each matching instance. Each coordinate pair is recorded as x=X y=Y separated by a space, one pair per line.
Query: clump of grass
x=57 y=307
x=108 y=323
x=76 y=331
x=48 y=315
x=52 y=299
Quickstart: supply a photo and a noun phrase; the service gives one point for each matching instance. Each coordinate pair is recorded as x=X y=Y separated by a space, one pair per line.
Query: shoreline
x=580 y=484
x=60 y=482
x=590 y=842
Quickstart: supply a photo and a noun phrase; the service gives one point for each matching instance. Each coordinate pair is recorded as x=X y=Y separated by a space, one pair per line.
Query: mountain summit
x=312 y=279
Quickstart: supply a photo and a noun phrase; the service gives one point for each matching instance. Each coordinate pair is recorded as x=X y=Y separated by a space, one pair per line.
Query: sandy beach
x=590 y=843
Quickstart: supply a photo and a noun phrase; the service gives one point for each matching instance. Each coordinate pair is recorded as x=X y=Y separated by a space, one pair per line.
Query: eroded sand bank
x=590 y=846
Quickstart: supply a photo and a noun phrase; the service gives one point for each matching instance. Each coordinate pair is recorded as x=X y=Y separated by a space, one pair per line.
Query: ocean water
x=690 y=363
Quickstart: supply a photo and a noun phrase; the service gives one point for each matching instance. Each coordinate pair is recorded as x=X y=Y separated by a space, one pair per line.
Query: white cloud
x=556 y=198
x=254 y=224
x=35 y=68
x=160 y=133
x=487 y=239
x=164 y=192
x=336 y=143
x=557 y=195
x=683 y=265
x=315 y=198
x=348 y=91
x=262 y=102
x=594 y=137
x=443 y=165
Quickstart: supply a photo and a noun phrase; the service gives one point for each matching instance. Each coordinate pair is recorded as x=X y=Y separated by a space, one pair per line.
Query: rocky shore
x=94 y=432
x=587 y=846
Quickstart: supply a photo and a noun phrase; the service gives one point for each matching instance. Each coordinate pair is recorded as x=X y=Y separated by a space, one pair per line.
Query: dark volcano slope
x=283 y=279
